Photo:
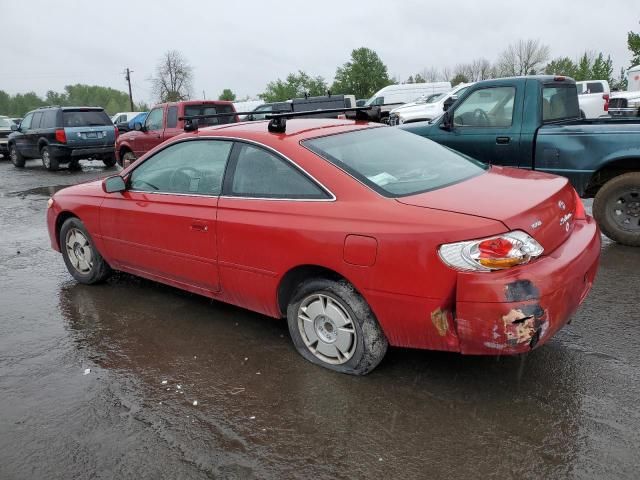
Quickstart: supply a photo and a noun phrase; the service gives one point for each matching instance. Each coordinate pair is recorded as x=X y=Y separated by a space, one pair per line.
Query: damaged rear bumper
x=512 y=311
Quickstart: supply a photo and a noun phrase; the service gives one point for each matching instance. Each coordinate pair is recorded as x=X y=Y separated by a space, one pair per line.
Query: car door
x=152 y=133
x=33 y=134
x=22 y=138
x=164 y=223
x=268 y=206
x=486 y=125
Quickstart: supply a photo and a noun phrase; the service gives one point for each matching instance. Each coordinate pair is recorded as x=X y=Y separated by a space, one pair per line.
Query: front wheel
x=127 y=159
x=82 y=258
x=331 y=325
x=16 y=157
x=49 y=161
x=617 y=209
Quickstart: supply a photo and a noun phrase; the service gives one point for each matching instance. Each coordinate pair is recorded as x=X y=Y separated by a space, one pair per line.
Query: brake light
x=493 y=253
x=606 y=102
x=61 y=137
x=579 y=213
x=117 y=132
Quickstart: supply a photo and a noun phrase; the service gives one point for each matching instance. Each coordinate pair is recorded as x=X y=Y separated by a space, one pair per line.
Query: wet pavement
x=83 y=392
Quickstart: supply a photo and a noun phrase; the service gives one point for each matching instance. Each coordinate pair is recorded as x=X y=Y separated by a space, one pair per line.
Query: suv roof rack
x=277 y=119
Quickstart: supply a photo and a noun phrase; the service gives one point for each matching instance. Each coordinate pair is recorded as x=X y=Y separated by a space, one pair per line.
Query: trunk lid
x=540 y=204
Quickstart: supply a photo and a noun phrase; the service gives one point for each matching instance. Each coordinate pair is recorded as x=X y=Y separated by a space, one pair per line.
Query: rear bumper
x=82 y=152
x=515 y=310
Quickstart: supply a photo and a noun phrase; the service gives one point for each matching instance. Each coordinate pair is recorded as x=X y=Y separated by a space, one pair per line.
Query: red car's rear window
x=394 y=162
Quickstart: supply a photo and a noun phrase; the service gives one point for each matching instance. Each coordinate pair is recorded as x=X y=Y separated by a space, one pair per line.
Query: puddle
x=44 y=191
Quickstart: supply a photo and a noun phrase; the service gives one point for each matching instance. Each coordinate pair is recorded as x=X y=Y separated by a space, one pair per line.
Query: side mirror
x=114 y=184
x=449 y=101
x=447 y=121
x=14 y=127
x=191 y=125
x=137 y=126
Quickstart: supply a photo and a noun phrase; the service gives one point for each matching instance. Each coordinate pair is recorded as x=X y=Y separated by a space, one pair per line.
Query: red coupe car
x=361 y=235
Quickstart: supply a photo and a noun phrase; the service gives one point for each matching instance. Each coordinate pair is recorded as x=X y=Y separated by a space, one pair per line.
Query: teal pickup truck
x=534 y=122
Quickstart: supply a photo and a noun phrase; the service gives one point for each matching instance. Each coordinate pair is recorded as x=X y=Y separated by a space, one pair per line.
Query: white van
x=429 y=109
x=121 y=117
x=392 y=96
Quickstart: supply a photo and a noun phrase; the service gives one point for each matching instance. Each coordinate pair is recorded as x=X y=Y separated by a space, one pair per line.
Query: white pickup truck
x=593 y=98
x=432 y=107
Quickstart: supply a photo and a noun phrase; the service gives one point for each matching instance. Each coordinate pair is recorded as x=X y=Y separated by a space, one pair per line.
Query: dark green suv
x=63 y=135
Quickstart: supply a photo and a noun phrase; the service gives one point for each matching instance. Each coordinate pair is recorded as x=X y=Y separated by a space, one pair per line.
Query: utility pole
x=128 y=79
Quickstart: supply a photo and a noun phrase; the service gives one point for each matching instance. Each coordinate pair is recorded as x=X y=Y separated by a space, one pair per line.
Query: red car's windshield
x=394 y=162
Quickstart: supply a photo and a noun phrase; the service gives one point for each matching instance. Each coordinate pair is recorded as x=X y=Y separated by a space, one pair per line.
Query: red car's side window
x=257 y=173
x=194 y=167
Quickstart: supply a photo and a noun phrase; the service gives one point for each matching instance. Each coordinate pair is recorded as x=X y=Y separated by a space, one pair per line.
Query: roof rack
x=278 y=121
x=190 y=125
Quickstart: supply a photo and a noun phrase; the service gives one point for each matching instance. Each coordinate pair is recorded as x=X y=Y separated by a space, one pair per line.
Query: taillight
x=579 y=213
x=606 y=102
x=493 y=253
x=61 y=137
x=117 y=132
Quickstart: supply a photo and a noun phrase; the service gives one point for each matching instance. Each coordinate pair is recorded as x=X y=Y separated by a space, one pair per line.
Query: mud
x=566 y=410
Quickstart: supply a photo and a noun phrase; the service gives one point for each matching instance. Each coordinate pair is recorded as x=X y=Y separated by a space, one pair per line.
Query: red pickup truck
x=164 y=122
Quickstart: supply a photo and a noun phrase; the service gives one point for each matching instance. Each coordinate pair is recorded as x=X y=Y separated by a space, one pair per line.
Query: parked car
x=360 y=235
x=430 y=107
x=5 y=130
x=130 y=125
x=165 y=121
x=121 y=117
x=593 y=98
x=261 y=110
x=62 y=135
x=625 y=104
x=393 y=96
x=534 y=123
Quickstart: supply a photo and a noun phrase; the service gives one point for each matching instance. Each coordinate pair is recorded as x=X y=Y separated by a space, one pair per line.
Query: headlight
x=493 y=253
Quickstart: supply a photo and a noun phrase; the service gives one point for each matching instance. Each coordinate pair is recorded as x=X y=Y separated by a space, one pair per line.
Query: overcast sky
x=244 y=44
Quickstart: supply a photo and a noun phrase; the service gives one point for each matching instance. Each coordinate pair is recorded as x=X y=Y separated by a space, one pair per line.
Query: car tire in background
x=16 y=157
x=49 y=161
x=82 y=258
x=331 y=325
x=616 y=208
x=127 y=159
x=109 y=161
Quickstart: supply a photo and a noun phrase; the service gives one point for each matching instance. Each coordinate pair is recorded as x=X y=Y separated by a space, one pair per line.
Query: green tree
x=561 y=66
x=419 y=78
x=621 y=82
x=228 y=95
x=362 y=76
x=410 y=79
x=584 y=69
x=633 y=42
x=459 y=78
x=295 y=85
x=602 y=69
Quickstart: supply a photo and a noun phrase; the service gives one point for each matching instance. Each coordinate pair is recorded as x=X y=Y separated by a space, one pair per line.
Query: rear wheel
x=81 y=257
x=109 y=161
x=49 y=161
x=617 y=209
x=16 y=157
x=331 y=325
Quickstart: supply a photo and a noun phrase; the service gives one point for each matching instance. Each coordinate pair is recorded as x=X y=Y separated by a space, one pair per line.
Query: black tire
x=369 y=343
x=127 y=159
x=74 y=164
x=49 y=161
x=606 y=205
x=97 y=269
x=16 y=157
x=109 y=161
